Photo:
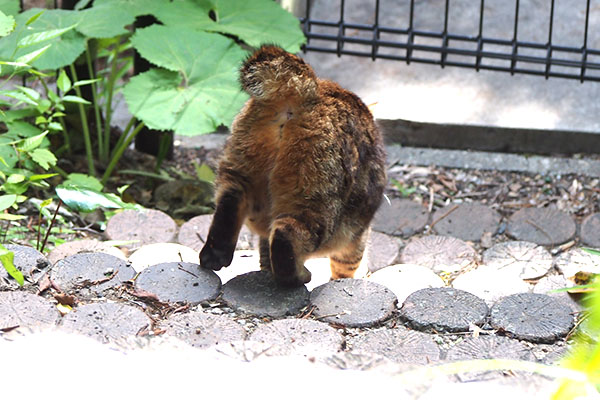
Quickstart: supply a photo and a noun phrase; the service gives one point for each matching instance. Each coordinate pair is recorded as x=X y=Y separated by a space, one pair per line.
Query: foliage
x=7 y=257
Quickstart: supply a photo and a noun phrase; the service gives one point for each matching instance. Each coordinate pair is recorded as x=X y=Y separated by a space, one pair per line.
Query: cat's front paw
x=215 y=258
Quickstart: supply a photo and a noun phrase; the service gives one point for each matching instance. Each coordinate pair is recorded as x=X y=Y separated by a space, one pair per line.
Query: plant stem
x=88 y=59
x=119 y=152
x=123 y=135
x=60 y=171
x=108 y=113
x=85 y=127
x=51 y=224
x=65 y=134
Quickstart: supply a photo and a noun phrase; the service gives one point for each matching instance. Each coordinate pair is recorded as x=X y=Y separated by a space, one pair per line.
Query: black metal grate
x=491 y=35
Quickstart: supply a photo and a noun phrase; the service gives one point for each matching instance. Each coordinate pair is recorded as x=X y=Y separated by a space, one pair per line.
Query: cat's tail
x=272 y=73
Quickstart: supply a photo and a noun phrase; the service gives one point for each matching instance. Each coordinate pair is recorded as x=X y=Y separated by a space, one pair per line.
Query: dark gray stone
x=106 y=322
x=29 y=261
x=203 y=330
x=143 y=227
x=257 y=293
x=466 y=221
x=443 y=310
x=194 y=232
x=590 y=230
x=90 y=271
x=400 y=345
x=400 y=217
x=22 y=309
x=353 y=302
x=544 y=226
x=533 y=317
x=174 y=282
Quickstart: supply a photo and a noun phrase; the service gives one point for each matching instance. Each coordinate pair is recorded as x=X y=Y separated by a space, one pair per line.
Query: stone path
x=429 y=292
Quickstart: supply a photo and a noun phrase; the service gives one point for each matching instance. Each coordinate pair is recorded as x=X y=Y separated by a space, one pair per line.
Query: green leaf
x=36 y=38
x=32 y=94
x=131 y=7
x=86 y=200
x=75 y=99
x=201 y=90
x=83 y=181
x=63 y=82
x=105 y=22
x=7 y=200
x=10 y=7
x=44 y=158
x=28 y=58
x=15 y=178
x=34 y=17
x=7 y=259
x=39 y=177
x=11 y=217
x=205 y=173
x=18 y=95
x=32 y=142
x=86 y=82
x=7 y=24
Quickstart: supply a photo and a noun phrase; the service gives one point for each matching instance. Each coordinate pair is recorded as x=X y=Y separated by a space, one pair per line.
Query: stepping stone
x=299 y=337
x=90 y=271
x=194 y=233
x=145 y=227
x=400 y=217
x=404 y=279
x=176 y=282
x=83 y=246
x=382 y=251
x=490 y=284
x=20 y=308
x=158 y=253
x=353 y=303
x=439 y=253
x=203 y=330
x=533 y=317
x=590 y=231
x=106 y=322
x=524 y=259
x=257 y=293
x=29 y=261
x=544 y=226
x=400 y=345
x=443 y=310
x=577 y=260
x=466 y=221
x=243 y=261
x=548 y=285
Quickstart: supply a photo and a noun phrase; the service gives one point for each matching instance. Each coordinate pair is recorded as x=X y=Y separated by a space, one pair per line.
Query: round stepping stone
x=577 y=260
x=203 y=330
x=400 y=345
x=83 y=246
x=175 y=282
x=26 y=259
x=158 y=253
x=382 y=250
x=404 y=279
x=298 y=336
x=20 y=308
x=194 y=233
x=490 y=284
x=533 y=317
x=400 y=217
x=106 y=322
x=544 y=226
x=548 y=285
x=257 y=293
x=443 y=310
x=145 y=227
x=590 y=231
x=243 y=261
x=90 y=271
x=466 y=221
x=353 y=303
x=524 y=259
x=439 y=253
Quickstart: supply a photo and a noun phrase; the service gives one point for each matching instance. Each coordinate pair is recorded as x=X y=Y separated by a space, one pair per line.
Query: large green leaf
x=198 y=93
x=10 y=7
x=255 y=22
x=7 y=24
x=131 y=7
x=87 y=200
x=104 y=21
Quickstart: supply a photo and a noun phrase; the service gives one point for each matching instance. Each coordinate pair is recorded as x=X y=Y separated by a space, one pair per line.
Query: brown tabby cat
x=303 y=168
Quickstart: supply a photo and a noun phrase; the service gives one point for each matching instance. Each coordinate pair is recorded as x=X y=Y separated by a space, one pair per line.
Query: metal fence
x=550 y=38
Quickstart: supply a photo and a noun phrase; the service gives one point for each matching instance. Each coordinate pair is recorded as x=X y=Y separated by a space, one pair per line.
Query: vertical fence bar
x=549 y=45
x=410 y=39
x=445 y=36
x=585 y=38
x=513 y=61
x=480 y=37
x=374 y=46
x=341 y=31
x=307 y=21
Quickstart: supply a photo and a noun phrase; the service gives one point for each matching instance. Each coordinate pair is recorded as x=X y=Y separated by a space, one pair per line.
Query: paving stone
x=90 y=271
x=533 y=317
x=524 y=259
x=577 y=260
x=490 y=284
x=489 y=347
x=19 y=308
x=145 y=227
x=257 y=293
x=400 y=217
x=400 y=345
x=590 y=231
x=157 y=253
x=443 y=310
x=29 y=261
x=466 y=221
x=549 y=284
x=298 y=336
x=83 y=246
x=243 y=261
x=382 y=250
x=439 y=253
x=201 y=329
x=194 y=232
x=175 y=282
x=106 y=322
x=353 y=302
x=544 y=226
x=404 y=279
